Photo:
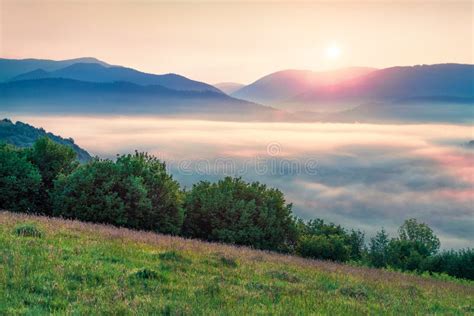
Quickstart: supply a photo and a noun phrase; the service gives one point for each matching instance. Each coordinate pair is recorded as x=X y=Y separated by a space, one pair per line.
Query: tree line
x=136 y=191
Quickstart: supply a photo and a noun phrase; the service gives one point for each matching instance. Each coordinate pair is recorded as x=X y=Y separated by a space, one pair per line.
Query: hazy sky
x=239 y=41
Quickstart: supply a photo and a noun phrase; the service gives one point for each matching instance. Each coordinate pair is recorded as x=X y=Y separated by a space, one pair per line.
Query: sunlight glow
x=333 y=52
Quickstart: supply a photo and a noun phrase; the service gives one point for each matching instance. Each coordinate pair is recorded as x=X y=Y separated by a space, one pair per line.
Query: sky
x=228 y=41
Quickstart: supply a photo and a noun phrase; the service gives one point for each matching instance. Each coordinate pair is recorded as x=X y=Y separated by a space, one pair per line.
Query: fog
x=359 y=175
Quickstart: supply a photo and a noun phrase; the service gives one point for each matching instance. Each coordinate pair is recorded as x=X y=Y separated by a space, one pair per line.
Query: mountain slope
x=71 y=267
x=73 y=96
x=94 y=72
x=10 y=68
x=280 y=86
x=392 y=84
x=24 y=135
x=229 y=87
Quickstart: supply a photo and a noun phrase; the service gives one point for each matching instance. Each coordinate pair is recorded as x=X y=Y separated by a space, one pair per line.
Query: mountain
x=10 y=68
x=57 y=95
x=274 y=89
x=24 y=135
x=393 y=86
x=229 y=87
x=94 y=72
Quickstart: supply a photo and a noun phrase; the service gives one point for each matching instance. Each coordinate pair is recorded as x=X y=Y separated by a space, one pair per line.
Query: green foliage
x=455 y=263
x=420 y=233
x=237 y=212
x=320 y=240
x=331 y=247
x=20 y=181
x=378 y=249
x=23 y=135
x=28 y=230
x=52 y=160
x=415 y=250
x=135 y=191
x=406 y=254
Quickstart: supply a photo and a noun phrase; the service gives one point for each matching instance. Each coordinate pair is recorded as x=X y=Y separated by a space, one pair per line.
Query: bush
x=135 y=191
x=20 y=181
x=328 y=241
x=237 y=212
x=332 y=247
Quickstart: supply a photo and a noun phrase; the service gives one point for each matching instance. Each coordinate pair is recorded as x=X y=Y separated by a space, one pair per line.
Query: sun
x=333 y=52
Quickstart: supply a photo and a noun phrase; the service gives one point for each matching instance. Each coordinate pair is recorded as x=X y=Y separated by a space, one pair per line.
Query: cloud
x=367 y=176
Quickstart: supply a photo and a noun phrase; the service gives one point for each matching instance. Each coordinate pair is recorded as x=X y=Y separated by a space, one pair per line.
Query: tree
x=19 y=181
x=356 y=242
x=51 y=159
x=421 y=233
x=164 y=193
x=406 y=254
x=458 y=263
x=135 y=191
x=238 y=212
x=378 y=249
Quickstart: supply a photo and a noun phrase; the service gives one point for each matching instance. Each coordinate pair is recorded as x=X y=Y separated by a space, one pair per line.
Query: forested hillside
x=24 y=135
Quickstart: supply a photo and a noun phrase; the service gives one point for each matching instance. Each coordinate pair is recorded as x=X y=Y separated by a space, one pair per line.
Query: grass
x=77 y=268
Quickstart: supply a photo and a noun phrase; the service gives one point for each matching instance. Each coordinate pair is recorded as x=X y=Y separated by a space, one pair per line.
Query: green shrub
x=332 y=247
x=237 y=212
x=20 y=181
x=28 y=230
x=135 y=191
x=320 y=240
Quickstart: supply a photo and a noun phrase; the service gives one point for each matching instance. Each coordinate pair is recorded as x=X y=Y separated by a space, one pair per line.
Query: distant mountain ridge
x=88 y=85
x=24 y=135
x=94 y=72
x=96 y=87
x=10 y=68
x=394 y=83
x=58 y=95
x=278 y=87
x=388 y=85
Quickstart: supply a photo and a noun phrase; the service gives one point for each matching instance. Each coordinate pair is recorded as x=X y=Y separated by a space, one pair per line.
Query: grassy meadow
x=54 y=266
